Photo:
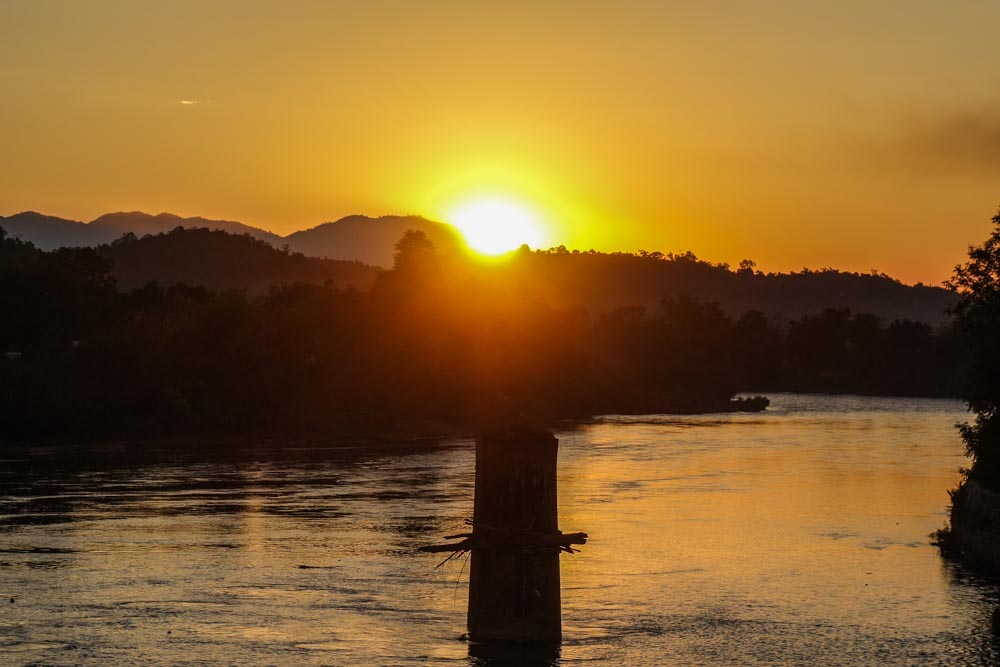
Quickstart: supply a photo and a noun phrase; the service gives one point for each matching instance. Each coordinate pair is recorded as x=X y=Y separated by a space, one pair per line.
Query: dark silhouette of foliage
x=601 y=282
x=837 y=351
x=977 y=316
x=439 y=342
x=221 y=261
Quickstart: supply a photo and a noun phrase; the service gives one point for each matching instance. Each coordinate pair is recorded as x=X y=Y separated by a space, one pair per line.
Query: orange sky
x=850 y=134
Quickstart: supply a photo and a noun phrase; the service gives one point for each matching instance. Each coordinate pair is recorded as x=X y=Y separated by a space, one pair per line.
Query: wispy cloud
x=189 y=103
x=972 y=139
x=963 y=140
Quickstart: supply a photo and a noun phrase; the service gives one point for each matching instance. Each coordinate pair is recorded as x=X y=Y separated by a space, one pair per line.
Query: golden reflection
x=254 y=521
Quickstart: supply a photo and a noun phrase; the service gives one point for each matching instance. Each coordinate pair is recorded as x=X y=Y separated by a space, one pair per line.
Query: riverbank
x=365 y=431
x=974 y=534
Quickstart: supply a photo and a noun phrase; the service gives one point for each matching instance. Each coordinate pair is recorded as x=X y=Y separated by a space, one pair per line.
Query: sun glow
x=494 y=226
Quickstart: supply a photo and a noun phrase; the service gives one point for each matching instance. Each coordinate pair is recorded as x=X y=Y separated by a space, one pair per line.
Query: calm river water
x=796 y=536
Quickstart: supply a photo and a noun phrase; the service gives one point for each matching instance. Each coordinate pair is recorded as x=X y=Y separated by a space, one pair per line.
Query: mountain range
x=349 y=252
x=356 y=237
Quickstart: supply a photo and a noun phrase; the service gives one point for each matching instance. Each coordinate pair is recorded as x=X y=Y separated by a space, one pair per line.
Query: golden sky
x=850 y=134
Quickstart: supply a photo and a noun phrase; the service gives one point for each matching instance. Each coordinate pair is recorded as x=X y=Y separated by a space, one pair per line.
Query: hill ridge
x=352 y=237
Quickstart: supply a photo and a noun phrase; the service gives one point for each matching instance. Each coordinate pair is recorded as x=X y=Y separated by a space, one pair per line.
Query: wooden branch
x=509 y=540
x=564 y=539
x=464 y=545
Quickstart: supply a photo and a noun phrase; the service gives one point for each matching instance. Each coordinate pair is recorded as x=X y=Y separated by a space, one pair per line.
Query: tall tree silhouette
x=977 y=315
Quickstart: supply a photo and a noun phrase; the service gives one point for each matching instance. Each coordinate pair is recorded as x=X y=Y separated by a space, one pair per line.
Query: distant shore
x=399 y=434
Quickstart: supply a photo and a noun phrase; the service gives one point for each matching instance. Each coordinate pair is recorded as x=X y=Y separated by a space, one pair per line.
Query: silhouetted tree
x=414 y=252
x=977 y=316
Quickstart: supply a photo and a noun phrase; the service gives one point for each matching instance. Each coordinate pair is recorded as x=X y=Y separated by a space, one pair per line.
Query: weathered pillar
x=515 y=540
x=514 y=578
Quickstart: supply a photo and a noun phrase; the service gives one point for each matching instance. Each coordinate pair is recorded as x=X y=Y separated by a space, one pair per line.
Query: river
x=794 y=536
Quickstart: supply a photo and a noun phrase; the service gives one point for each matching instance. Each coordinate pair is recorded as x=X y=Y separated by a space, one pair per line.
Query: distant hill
x=369 y=240
x=48 y=232
x=140 y=224
x=219 y=260
x=600 y=282
x=356 y=237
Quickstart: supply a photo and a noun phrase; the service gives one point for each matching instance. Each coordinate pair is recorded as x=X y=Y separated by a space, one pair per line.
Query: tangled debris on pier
x=509 y=540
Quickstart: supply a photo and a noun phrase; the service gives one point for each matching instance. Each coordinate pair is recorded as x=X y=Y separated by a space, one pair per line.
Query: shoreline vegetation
x=973 y=530
x=441 y=343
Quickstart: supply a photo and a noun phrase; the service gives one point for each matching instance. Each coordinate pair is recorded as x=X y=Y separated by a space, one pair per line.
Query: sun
x=493 y=226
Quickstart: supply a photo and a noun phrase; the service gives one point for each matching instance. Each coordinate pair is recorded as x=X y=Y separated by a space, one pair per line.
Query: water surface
x=796 y=536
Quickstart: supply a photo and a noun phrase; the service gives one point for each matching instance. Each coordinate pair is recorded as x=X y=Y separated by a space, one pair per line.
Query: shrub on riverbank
x=977 y=317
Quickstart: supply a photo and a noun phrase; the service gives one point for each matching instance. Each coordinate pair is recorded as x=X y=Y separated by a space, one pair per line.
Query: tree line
x=439 y=342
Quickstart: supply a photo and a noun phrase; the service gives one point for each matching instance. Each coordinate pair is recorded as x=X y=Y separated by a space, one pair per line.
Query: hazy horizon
x=376 y=217
x=832 y=134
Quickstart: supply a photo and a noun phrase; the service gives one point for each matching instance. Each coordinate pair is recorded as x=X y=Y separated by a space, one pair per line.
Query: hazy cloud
x=190 y=102
x=968 y=140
